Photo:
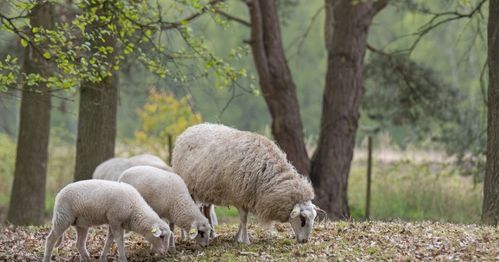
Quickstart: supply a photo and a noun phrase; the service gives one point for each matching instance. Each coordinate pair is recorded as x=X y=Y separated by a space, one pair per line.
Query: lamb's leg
x=118 y=238
x=109 y=242
x=55 y=234
x=207 y=209
x=242 y=234
x=81 y=233
x=172 y=238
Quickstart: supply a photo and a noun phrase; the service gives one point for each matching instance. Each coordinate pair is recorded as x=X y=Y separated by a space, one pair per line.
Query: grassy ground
x=372 y=241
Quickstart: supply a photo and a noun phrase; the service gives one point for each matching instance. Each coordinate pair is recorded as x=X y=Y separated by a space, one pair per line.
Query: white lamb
x=111 y=169
x=224 y=166
x=95 y=202
x=168 y=195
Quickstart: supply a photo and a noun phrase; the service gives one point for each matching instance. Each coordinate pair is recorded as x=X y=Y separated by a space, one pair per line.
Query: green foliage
x=104 y=34
x=162 y=116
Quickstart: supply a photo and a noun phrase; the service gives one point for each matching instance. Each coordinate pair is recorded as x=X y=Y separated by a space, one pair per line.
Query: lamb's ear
x=295 y=212
x=156 y=231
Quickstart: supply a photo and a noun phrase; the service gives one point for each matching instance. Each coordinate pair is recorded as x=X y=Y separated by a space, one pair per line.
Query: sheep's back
x=225 y=166
x=94 y=202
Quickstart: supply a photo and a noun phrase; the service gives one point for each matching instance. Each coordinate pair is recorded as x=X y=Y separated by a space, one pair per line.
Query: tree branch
x=233 y=18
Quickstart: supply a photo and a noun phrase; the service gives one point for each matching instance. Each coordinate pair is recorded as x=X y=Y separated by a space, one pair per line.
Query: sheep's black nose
x=302 y=240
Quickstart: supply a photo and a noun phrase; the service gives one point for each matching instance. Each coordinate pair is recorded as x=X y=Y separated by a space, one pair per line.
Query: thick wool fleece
x=225 y=166
x=166 y=193
x=111 y=169
x=95 y=202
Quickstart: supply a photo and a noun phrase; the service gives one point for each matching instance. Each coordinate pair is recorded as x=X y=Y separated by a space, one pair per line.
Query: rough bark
x=276 y=82
x=490 y=213
x=97 y=117
x=27 y=202
x=347 y=25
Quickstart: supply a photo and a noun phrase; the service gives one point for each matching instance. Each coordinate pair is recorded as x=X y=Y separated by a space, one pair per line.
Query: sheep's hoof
x=85 y=258
x=242 y=240
x=172 y=250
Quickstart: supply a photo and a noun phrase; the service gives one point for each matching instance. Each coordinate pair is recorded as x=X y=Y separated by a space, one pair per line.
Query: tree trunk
x=276 y=82
x=346 y=27
x=490 y=213
x=27 y=201
x=97 y=116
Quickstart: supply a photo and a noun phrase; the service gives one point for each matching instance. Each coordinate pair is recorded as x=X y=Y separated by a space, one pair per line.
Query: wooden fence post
x=369 y=171
x=170 y=149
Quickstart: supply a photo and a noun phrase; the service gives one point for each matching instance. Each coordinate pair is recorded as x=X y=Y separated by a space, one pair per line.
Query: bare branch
x=233 y=18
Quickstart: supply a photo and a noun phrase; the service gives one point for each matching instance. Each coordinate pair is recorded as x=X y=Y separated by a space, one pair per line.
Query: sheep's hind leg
x=242 y=234
x=53 y=237
x=109 y=242
x=81 y=233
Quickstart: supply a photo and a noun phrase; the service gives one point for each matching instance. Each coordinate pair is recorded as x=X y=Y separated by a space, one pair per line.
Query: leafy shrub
x=163 y=115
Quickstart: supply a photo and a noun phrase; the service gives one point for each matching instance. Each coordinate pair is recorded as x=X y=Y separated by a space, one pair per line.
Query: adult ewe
x=111 y=169
x=169 y=197
x=95 y=202
x=225 y=166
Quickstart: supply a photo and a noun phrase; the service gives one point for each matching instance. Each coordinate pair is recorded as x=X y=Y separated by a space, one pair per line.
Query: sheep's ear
x=295 y=212
x=156 y=231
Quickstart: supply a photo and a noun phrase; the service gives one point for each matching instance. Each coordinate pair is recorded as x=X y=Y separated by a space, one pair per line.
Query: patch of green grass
x=428 y=191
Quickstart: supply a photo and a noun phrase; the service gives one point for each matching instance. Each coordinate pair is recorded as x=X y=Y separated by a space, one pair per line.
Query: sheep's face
x=302 y=219
x=159 y=237
x=202 y=235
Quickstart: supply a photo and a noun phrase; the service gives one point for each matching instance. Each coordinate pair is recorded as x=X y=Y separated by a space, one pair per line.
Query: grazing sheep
x=168 y=195
x=225 y=166
x=95 y=202
x=111 y=169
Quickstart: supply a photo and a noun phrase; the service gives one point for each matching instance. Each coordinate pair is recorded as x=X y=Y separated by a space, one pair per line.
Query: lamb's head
x=202 y=234
x=302 y=219
x=159 y=237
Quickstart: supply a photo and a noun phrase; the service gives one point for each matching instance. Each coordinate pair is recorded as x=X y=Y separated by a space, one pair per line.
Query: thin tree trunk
x=490 y=213
x=27 y=202
x=276 y=82
x=97 y=117
x=347 y=25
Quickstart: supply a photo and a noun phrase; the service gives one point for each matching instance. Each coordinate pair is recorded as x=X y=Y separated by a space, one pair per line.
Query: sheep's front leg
x=172 y=238
x=242 y=234
x=208 y=211
x=109 y=241
x=118 y=238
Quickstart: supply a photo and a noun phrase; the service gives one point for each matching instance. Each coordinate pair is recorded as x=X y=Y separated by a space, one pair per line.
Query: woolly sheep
x=95 y=202
x=168 y=195
x=111 y=169
x=225 y=166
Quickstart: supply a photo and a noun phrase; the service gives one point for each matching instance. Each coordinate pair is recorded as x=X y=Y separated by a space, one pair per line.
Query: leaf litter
x=330 y=241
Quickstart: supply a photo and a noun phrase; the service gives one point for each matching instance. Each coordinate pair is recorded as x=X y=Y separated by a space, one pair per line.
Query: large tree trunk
x=97 y=116
x=276 y=82
x=27 y=202
x=347 y=25
x=491 y=184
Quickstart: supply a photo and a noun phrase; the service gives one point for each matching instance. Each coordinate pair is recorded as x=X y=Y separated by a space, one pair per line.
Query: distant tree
x=98 y=97
x=347 y=24
x=490 y=213
x=27 y=202
x=346 y=29
x=276 y=82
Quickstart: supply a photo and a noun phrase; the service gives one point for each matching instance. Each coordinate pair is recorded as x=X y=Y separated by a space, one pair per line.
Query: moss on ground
x=372 y=241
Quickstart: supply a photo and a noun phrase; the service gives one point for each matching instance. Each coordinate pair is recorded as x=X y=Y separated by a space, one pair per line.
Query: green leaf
x=47 y=55
x=24 y=43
